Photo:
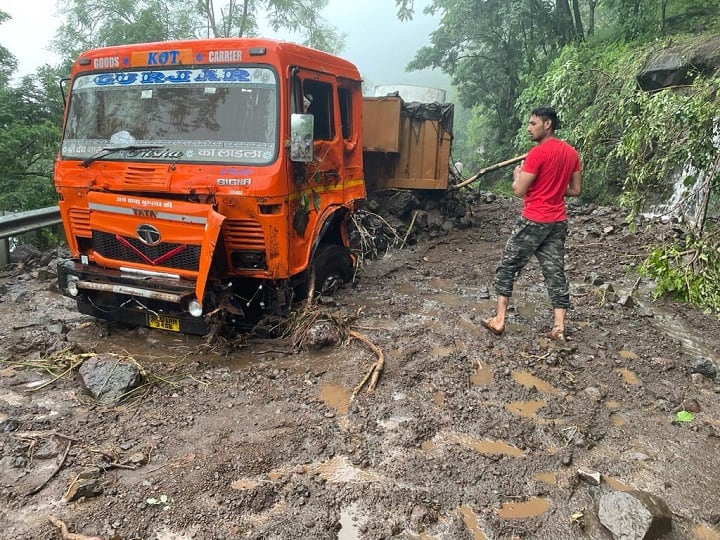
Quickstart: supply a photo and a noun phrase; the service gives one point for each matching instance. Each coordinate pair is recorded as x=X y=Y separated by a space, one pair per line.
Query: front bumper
x=150 y=300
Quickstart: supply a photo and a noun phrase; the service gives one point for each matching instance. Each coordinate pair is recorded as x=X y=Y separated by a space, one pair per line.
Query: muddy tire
x=331 y=267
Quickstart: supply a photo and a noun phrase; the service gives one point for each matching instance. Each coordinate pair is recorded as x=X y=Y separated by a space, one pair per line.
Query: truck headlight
x=72 y=287
x=195 y=308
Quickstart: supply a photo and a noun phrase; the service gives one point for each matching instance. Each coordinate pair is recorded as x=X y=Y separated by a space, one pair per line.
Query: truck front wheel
x=331 y=267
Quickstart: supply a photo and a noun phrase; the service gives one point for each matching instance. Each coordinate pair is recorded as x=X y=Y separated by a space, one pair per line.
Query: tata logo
x=148 y=235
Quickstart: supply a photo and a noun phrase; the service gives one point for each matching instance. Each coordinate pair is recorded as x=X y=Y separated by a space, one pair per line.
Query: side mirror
x=301 y=137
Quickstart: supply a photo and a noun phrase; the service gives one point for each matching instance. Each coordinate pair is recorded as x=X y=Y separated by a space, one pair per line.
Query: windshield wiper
x=112 y=149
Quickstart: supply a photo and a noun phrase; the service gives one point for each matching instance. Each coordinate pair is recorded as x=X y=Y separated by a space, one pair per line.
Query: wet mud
x=467 y=435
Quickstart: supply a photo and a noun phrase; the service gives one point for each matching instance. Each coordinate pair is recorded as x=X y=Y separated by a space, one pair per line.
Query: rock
x=138 y=458
x=634 y=515
x=690 y=405
x=593 y=393
x=84 y=490
x=108 y=379
x=402 y=203
x=447 y=226
x=606 y=288
x=679 y=65
x=420 y=517
x=626 y=300
x=589 y=476
x=25 y=254
x=704 y=367
x=435 y=219
x=9 y=425
x=322 y=334
x=594 y=279
x=664 y=364
x=49 y=448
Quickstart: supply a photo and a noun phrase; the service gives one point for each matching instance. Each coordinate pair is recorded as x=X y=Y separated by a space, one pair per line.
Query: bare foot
x=492 y=325
x=557 y=334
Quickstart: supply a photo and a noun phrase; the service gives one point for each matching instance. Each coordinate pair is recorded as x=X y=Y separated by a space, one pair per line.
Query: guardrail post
x=13 y=224
x=4 y=248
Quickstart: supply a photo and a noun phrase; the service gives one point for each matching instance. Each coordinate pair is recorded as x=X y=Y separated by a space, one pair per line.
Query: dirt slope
x=467 y=435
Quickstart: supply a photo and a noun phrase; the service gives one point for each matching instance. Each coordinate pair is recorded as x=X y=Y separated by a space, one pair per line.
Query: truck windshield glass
x=216 y=115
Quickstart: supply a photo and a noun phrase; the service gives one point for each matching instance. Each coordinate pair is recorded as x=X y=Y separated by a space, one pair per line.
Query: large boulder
x=679 y=64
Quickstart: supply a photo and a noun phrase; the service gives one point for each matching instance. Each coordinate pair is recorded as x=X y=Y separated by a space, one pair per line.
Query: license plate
x=164 y=323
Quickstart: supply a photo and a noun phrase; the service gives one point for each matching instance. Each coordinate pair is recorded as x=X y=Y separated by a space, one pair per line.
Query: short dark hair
x=547 y=113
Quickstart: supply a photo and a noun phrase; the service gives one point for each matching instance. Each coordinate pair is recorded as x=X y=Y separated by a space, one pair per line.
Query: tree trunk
x=564 y=22
x=579 y=31
x=209 y=9
x=592 y=4
x=246 y=7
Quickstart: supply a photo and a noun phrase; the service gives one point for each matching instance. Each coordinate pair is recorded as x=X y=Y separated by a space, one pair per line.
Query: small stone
x=589 y=476
x=704 y=367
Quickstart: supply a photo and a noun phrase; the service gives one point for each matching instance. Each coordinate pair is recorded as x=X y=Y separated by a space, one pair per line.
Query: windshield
x=194 y=115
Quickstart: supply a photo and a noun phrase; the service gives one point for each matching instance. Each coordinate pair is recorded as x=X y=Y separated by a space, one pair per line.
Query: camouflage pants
x=547 y=242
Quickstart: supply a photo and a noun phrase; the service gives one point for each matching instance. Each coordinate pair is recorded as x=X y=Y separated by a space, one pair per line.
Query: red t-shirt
x=553 y=162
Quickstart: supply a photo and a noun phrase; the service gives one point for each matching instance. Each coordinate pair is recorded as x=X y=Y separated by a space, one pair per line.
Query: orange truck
x=218 y=177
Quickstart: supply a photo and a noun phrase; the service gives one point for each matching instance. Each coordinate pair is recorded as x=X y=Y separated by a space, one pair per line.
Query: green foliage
x=96 y=23
x=665 y=132
x=631 y=141
x=486 y=46
x=688 y=271
x=590 y=89
x=30 y=117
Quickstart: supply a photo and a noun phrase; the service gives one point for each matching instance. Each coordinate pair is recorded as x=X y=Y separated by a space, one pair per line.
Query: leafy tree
x=28 y=143
x=488 y=47
x=95 y=23
x=29 y=132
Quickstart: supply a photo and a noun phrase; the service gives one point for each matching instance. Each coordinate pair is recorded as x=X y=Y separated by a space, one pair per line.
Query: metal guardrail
x=18 y=223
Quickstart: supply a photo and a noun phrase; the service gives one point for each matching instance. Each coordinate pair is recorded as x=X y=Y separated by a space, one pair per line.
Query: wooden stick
x=374 y=372
x=487 y=170
x=67 y=535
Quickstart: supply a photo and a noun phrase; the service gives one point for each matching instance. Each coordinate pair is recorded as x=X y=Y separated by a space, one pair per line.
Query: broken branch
x=67 y=535
x=487 y=170
x=59 y=466
x=374 y=372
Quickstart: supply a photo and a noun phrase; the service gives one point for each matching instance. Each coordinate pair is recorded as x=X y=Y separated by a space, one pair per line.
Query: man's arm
x=521 y=181
x=575 y=186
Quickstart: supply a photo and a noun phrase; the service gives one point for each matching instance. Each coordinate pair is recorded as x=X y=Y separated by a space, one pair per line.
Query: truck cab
x=207 y=177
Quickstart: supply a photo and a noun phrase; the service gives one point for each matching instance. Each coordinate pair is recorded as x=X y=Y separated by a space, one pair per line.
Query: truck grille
x=80 y=222
x=243 y=234
x=147 y=178
x=166 y=255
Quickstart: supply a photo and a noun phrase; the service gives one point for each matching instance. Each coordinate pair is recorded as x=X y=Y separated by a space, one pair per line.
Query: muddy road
x=467 y=435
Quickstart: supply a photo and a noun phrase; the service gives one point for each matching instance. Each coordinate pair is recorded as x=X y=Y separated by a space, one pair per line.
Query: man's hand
x=522 y=180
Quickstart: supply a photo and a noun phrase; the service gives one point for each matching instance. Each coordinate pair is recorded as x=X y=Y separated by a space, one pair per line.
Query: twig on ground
x=67 y=535
x=52 y=474
x=412 y=222
x=374 y=372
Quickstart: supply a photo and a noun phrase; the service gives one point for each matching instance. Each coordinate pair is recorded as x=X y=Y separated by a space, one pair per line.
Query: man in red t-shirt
x=550 y=172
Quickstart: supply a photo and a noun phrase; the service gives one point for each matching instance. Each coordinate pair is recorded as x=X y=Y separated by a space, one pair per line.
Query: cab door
x=318 y=184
